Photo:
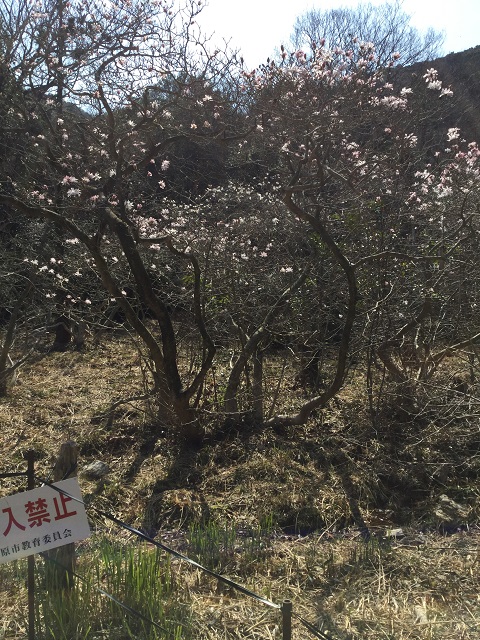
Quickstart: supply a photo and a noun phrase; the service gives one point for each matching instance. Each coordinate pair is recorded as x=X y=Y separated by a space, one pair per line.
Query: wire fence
x=285 y=608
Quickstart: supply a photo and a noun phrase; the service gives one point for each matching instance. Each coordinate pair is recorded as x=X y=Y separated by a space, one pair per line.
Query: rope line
x=313 y=630
x=13 y=474
x=164 y=547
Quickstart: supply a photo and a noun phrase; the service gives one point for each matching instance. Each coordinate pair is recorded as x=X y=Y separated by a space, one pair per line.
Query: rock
x=395 y=533
x=410 y=540
x=95 y=470
x=420 y=613
x=450 y=513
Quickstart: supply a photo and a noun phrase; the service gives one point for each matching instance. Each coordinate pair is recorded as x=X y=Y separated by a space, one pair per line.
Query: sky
x=258 y=27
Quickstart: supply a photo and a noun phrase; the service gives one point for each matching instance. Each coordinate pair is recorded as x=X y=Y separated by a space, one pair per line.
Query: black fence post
x=287 y=620
x=30 y=457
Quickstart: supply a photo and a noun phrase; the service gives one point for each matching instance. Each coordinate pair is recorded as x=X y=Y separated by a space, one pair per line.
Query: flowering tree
x=392 y=206
x=307 y=204
x=99 y=82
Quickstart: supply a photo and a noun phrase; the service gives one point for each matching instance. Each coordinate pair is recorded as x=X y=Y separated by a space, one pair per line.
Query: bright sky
x=258 y=27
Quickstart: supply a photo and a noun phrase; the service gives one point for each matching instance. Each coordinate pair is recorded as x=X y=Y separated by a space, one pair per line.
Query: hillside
x=461 y=72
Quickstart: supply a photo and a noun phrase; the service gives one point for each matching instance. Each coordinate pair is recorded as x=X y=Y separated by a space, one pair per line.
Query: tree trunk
x=257 y=386
x=190 y=428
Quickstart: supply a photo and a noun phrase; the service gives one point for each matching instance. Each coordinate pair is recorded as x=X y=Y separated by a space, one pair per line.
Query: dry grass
x=423 y=587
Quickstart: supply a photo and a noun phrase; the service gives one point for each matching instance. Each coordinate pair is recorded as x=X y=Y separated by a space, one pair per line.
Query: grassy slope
x=307 y=480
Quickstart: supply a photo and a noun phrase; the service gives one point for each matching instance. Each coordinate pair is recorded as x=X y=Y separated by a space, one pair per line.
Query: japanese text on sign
x=41 y=519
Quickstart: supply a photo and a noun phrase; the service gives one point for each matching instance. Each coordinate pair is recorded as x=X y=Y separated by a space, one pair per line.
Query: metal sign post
x=30 y=457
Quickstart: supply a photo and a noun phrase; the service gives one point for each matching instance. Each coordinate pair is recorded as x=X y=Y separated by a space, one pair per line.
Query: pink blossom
x=394 y=102
x=431 y=75
x=453 y=133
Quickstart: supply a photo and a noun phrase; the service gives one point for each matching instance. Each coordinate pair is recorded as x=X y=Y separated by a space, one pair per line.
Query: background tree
x=387 y=26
